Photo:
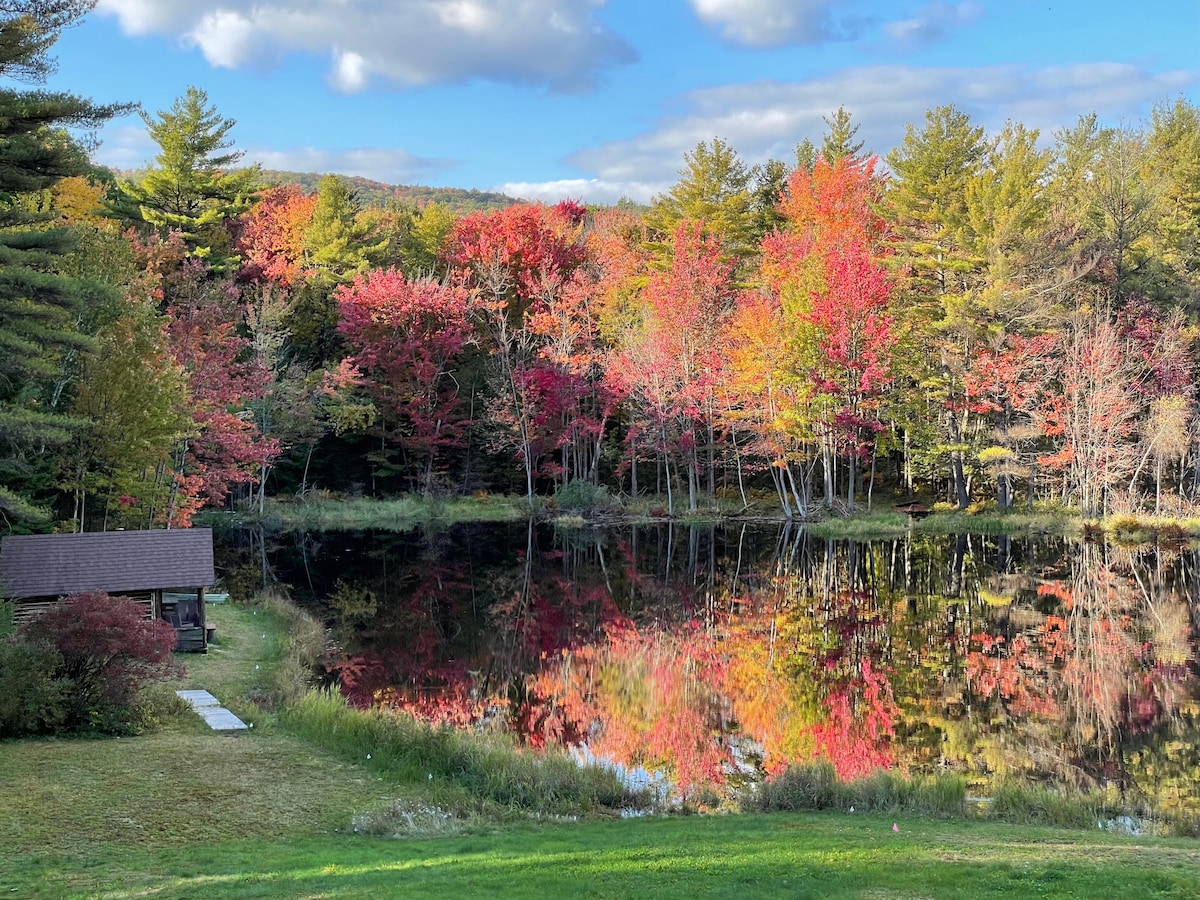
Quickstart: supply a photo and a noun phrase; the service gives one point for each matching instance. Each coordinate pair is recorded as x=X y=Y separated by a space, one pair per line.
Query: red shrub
x=109 y=651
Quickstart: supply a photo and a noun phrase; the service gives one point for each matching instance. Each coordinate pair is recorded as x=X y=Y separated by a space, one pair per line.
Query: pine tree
x=193 y=186
x=1174 y=143
x=839 y=139
x=715 y=187
x=338 y=245
x=806 y=155
x=932 y=169
x=39 y=309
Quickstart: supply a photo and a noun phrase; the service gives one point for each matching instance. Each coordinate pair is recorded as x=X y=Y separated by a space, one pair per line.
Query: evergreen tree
x=192 y=187
x=1174 y=143
x=1007 y=224
x=839 y=139
x=1123 y=190
x=39 y=308
x=932 y=169
x=806 y=155
x=338 y=244
x=715 y=187
x=422 y=250
x=1076 y=151
x=770 y=186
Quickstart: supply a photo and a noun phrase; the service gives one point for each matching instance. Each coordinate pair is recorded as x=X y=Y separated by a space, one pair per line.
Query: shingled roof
x=51 y=565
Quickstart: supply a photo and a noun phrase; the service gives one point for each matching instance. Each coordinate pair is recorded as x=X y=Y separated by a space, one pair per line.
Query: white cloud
x=589 y=190
x=350 y=71
x=932 y=23
x=149 y=16
x=225 y=38
x=557 y=43
x=124 y=147
x=772 y=23
x=786 y=23
x=764 y=120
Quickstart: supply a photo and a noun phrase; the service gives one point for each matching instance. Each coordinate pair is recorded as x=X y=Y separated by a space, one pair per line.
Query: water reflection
x=703 y=651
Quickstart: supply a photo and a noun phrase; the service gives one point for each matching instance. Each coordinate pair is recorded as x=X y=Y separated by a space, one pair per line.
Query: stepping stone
x=211 y=711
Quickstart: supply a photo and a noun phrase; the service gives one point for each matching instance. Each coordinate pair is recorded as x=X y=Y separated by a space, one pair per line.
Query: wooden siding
x=29 y=607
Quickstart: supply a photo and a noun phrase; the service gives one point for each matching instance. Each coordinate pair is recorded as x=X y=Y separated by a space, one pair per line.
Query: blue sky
x=596 y=99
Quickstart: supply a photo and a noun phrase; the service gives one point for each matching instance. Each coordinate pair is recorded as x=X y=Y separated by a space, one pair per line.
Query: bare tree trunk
x=851 y=478
x=962 y=496
x=871 y=483
x=827 y=467
x=781 y=490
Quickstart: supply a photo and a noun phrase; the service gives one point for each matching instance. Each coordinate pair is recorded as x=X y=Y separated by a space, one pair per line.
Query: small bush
x=33 y=699
x=582 y=496
x=106 y=651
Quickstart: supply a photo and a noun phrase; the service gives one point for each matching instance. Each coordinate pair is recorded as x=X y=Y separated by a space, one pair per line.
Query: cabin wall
x=184 y=610
x=28 y=608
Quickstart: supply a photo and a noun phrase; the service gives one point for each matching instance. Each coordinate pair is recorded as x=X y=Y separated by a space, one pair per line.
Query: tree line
x=969 y=316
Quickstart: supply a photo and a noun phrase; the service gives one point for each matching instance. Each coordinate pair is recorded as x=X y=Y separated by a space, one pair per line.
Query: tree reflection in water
x=702 y=651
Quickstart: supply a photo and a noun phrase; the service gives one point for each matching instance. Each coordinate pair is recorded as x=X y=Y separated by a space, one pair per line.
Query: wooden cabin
x=167 y=572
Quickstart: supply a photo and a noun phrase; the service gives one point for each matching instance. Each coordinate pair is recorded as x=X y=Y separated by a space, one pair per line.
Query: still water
x=718 y=654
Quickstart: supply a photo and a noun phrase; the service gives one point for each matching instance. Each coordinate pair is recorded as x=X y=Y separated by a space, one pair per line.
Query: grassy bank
x=400 y=514
x=883 y=521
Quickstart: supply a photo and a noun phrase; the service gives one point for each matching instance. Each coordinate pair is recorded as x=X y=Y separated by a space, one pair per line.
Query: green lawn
x=191 y=813
x=812 y=855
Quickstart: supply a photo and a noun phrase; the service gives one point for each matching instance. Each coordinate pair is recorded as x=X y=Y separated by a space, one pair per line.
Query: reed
x=488 y=767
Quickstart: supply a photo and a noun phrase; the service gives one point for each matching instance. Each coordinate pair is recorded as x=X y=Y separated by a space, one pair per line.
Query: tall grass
x=861 y=526
x=1031 y=804
x=1131 y=528
x=816 y=786
x=400 y=514
x=998 y=521
x=489 y=768
x=295 y=645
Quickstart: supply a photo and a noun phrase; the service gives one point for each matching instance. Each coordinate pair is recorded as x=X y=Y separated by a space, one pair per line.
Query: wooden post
x=203 y=622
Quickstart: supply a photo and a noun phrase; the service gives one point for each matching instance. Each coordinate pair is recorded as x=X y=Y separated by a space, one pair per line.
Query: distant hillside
x=376 y=193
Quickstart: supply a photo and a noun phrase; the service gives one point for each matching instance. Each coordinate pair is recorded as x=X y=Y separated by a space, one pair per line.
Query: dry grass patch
x=169 y=790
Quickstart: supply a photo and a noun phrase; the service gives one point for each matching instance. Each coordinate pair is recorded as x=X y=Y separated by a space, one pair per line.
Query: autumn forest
x=969 y=317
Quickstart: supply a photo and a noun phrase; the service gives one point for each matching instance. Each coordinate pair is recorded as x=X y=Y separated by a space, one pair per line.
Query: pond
x=717 y=654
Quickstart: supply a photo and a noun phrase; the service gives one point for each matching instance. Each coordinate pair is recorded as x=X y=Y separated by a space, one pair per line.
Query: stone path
x=211 y=710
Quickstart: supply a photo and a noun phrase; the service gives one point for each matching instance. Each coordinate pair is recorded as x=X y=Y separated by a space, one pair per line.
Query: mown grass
x=783 y=855
x=186 y=780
